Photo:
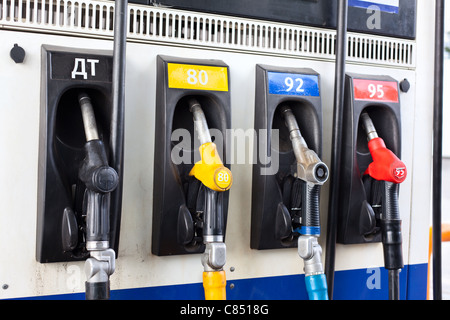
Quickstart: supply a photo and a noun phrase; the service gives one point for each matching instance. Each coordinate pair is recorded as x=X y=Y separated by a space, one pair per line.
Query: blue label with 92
x=293 y=84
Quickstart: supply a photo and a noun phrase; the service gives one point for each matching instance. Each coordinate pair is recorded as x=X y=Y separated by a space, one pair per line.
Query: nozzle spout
x=201 y=126
x=368 y=126
x=87 y=112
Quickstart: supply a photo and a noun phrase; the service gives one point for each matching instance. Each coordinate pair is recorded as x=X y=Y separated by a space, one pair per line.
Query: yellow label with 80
x=186 y=76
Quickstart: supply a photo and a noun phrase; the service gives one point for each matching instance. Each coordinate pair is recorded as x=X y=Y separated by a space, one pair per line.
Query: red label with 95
x=373 y=90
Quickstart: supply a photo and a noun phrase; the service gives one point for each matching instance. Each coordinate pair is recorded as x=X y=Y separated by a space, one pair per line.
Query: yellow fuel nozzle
x=210 y=169
x=214 y=175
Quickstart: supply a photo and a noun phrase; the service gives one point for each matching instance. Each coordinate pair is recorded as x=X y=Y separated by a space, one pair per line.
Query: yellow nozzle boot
x=210 y=169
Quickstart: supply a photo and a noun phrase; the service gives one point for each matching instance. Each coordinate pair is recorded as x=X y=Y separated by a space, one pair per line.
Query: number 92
x=290 y=83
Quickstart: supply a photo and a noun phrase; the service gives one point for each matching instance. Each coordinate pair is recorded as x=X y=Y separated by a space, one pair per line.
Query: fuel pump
x=216 y=178
x=386 y=172
x=79 y=192
x=100 y=180
x=191 y=192
x=370 y=172
x=288 y=173
x=314 y=173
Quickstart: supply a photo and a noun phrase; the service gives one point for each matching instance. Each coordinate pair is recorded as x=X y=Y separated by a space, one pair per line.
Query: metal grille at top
x=95 y=18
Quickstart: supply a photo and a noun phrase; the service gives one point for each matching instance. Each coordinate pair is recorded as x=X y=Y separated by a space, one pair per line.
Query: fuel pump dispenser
x=76 y=216
x=190 y=203
x=371 y=172
x=285 y=197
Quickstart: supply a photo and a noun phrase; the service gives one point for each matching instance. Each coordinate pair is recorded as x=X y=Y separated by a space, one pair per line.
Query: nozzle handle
x=97 y=219
x=310 y=210
x=100 y=180
x=391 y=224
x=213 y=219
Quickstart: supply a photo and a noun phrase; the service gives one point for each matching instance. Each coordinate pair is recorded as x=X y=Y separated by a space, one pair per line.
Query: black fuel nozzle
x=100 y=180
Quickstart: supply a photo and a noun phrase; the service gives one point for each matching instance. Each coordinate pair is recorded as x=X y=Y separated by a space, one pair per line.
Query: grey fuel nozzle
x=309 y=166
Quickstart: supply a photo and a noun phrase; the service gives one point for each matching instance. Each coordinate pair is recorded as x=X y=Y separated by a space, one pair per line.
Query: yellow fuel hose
x=214 y=283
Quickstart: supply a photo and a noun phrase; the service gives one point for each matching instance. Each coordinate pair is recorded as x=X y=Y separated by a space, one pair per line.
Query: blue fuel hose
x=316 y=286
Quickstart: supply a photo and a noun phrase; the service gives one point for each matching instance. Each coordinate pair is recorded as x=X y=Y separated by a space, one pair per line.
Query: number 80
x=193 y=79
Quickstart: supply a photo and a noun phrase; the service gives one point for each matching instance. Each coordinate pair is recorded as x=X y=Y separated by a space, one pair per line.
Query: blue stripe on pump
x=358 y=284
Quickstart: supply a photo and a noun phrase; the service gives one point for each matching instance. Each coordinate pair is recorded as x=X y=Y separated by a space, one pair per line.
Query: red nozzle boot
x=386 y=165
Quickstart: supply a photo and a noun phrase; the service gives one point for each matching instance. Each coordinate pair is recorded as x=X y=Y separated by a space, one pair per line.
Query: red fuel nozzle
x=386 y=165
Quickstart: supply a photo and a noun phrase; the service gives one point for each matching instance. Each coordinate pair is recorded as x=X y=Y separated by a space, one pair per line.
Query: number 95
x=376 y=90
